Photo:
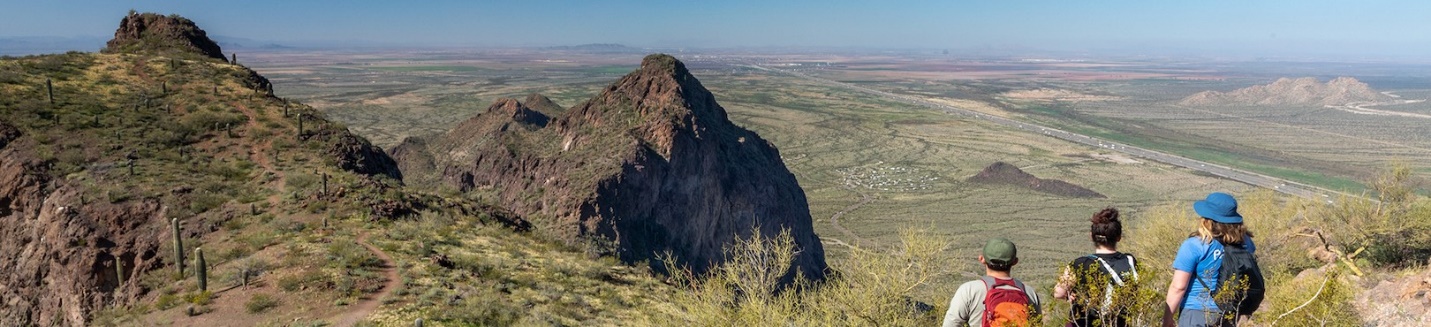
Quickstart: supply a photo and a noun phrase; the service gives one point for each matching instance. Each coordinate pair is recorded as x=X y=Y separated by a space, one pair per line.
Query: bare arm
x=1176 y=290
x=1060 y=290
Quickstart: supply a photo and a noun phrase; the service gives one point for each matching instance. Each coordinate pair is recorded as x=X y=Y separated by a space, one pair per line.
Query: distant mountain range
x=28 y=45
x=598 y=48
x=1306 y=91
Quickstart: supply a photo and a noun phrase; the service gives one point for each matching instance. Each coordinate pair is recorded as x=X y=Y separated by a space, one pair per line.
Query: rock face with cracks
x=650 y=165
x=62 y=257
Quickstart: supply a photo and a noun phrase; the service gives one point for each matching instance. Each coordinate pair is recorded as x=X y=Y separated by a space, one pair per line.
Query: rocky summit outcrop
x=650 y=165
x=1001 y=173
x=170 y=36
x=1306 y=91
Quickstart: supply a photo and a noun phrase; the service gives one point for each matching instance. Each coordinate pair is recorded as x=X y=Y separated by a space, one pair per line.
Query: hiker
x=997 y=299
x=1203 y=262
x=1102 y=270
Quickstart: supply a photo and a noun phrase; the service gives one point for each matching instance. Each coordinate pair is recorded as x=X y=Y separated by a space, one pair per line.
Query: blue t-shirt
x=1203 y=260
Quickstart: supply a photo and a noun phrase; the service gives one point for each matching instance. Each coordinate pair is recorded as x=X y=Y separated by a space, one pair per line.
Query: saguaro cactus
x=118 y=270
x=235 y=58
x=201 y=269
x=50 y=89
x=325 y=184
x=164 y=88
x=417 y=323
x=178 y=245
x=300 y=125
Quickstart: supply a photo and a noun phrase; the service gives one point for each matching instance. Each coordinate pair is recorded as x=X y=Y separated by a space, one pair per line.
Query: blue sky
x=1394 y=28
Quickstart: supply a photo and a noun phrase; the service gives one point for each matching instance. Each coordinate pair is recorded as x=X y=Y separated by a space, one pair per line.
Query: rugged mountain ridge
x=99 y=151
x=651 y=164
x=1306 y=91
x=1000 y=173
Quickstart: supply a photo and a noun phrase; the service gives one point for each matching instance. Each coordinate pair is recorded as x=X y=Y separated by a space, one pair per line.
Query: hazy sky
x=1373 y=28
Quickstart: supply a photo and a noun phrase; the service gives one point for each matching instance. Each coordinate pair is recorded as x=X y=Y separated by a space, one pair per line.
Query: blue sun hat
x=1219 y=207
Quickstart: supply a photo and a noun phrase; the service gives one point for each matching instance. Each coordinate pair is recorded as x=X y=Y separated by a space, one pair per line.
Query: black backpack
x=1239 y=268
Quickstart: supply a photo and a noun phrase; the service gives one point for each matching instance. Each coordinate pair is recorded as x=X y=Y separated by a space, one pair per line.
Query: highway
x=1250 y=178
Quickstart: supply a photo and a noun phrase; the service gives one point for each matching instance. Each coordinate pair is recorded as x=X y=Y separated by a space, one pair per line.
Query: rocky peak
x=542 y=104
x=651 y=164
x=515 y=111
x=172 y=35
x=660 y=103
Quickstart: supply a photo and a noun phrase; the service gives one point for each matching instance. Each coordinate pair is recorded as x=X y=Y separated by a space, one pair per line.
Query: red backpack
x=1005 y=303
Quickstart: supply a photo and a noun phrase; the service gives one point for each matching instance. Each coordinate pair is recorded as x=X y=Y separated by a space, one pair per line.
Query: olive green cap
x=1000 y=251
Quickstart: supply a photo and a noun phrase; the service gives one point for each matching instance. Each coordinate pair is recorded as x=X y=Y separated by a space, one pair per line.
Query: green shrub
x=166 y=301
x=201 y=298
x=260 y=303
x=302 y=280
x=1392 y=226
x=351 y=255
x=872 y=288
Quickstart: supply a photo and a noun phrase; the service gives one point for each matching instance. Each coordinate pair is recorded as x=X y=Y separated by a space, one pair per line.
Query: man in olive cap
x=998 y=288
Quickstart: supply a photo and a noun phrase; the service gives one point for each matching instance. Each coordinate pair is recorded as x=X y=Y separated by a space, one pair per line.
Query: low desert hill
x=1306 y=91
x=1000 y=173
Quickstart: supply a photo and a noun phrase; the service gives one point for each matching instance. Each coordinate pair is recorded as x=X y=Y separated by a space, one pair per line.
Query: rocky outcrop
x=1397 y=301
x=1001 y=173
x=1304 y=91
x=356 y=154
x=651 y=164
x=170 y=36
x=61 y=256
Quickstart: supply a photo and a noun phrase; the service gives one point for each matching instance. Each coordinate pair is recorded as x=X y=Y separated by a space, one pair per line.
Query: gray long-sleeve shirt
x=967 y=306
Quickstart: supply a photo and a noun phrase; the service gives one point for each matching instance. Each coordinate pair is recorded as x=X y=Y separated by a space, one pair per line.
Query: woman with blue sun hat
x=1221 y=236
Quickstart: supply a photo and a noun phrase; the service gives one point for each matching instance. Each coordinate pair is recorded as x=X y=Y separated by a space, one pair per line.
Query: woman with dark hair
x=1220 y=237
x=1089 y=282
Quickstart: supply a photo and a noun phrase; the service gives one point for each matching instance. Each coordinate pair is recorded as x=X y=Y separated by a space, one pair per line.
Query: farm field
x=1136 y=103
x=879 y=165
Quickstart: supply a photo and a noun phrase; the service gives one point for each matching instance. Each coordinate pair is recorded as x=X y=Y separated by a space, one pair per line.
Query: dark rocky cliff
x=61 y=256
x=651 y=163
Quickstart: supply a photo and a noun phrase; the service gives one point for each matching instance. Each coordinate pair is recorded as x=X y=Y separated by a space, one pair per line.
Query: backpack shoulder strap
x=1132 y=266
x=1112 y=273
